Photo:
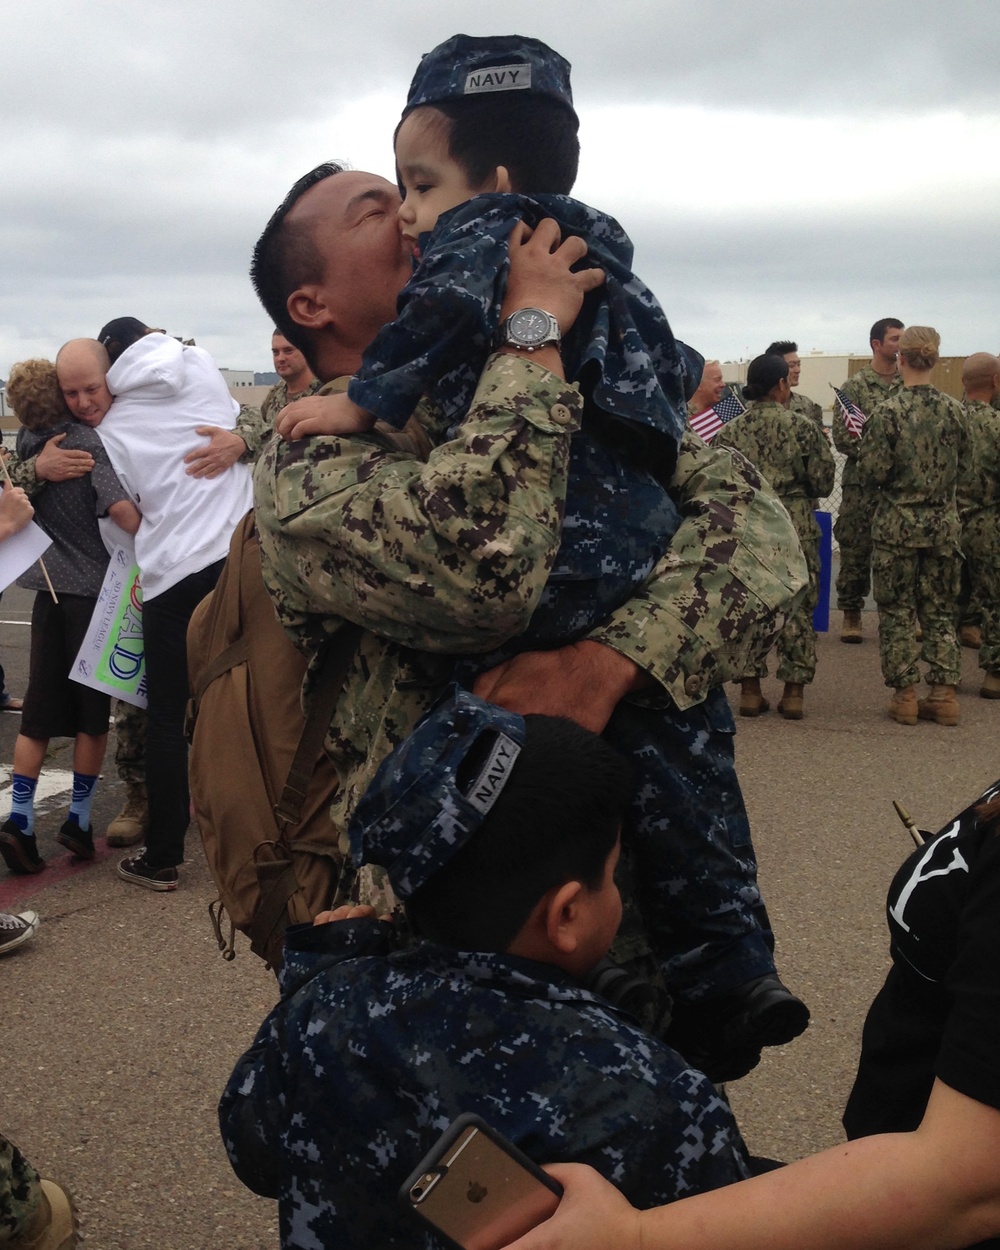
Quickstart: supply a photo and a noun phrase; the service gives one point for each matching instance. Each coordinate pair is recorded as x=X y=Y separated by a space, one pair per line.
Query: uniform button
x=560 y=414
x=693 y=684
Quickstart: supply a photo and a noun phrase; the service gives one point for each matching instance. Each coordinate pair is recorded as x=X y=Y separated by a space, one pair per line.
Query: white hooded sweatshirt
x=163 y=391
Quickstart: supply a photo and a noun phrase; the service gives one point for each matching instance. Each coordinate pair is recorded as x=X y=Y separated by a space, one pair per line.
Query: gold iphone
x=477 y=1189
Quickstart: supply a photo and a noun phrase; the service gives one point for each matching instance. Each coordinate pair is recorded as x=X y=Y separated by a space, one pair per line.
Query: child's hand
x=322 y=414
x=541 y=274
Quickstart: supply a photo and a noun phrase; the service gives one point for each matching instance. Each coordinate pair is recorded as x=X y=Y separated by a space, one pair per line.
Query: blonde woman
x=909 y=456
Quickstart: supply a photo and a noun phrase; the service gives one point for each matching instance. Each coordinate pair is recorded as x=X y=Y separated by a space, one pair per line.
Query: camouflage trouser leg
x=130 y=749
x=969 y=611
x=853 y=532
x=797 y=641
x=916 y=583
x=19 y=1192
x=984 y=567
x=688 y=841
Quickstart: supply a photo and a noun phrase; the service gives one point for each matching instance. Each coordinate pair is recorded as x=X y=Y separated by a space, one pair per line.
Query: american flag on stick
x=853 y=417
x=708 y=423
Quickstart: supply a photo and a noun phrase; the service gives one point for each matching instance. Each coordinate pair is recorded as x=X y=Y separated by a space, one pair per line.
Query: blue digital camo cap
x=466 y=66
x=416 y=814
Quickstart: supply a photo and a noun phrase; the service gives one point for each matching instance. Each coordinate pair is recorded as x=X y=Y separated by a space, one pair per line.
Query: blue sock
x=84 y=785
x=22 y=793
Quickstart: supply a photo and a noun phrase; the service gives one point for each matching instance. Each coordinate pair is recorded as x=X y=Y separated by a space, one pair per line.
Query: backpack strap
x=340 y=652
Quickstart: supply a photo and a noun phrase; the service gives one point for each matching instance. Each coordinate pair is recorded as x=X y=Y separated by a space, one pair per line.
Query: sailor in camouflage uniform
x=802 y=404
x=795 y=458
x=296 y=380
x=867 y=389
x=371 y=1054
x=979 y=507
x=912 y=447
x=619 y=520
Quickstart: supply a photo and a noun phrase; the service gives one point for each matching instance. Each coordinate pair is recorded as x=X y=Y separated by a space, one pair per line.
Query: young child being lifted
x=487 y=141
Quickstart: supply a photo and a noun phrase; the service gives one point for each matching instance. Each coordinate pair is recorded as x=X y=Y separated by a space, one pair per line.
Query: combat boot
x=940 y=705
x=752 y=701
x=971 y=636
x=54 y=1226
x=129 y=826
x=903 y=706
x=850 y=631
x=790 y=703
x=991 y=686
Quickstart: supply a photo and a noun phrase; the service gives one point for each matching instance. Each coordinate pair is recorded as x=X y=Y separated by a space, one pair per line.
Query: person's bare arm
x=937 y=1188
x=15 y=511
x=125 y=515
x=220 y=453
x=52 y=464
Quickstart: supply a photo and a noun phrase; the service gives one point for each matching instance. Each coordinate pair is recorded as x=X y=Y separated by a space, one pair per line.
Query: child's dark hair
x=556 y=820
x=533 y=136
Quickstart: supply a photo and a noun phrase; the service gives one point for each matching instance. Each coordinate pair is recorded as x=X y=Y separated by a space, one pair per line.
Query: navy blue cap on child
x=417 y=813
x=464 y=65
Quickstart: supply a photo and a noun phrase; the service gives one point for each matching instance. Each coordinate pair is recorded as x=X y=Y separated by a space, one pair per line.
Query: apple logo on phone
x=476 y=1192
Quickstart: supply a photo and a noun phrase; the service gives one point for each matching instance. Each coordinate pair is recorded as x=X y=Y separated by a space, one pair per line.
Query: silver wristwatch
x=529 y=328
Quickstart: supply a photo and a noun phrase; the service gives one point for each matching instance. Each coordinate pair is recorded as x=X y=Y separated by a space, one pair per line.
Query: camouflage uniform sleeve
x=446 y=556
x=734 y=569
x=252 y=1110
x=821 y=469
x=253 y=427
x=22 y=473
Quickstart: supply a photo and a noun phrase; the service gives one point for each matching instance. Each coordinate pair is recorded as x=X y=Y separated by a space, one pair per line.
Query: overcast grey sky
x=785 y=168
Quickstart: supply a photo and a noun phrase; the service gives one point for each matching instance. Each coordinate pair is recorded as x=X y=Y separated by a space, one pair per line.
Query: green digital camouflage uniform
x=979 y=511
x=22 y=473
x=253 y=429
x=410 y=563
x=794 y=456
x=910 y=453
x=277 y=398
x=806 y=407
x=20 y=1192
x=852 y=529
x=255 y=426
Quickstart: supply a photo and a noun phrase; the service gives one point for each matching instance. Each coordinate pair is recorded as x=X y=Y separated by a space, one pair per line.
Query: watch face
x=530 y=325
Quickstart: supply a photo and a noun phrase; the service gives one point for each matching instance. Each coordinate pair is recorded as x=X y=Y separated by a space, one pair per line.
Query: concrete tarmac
x=122 y=1020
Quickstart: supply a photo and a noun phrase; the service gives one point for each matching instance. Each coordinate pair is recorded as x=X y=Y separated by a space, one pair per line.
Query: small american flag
x=853 y=417
x=708 y=423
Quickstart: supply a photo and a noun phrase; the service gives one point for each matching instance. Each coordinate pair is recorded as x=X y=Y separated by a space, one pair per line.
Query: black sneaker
x=79 y=841
x=16 y=929
x=19 y=851
x=135 y=869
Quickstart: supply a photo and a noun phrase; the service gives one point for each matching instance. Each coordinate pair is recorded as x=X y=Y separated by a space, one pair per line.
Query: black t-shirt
x=938 y=1014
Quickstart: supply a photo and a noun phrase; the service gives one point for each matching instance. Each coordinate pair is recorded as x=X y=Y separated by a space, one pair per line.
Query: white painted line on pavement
x=52 y=782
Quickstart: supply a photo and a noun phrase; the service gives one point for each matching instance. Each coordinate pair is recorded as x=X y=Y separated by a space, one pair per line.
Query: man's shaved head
x=82 y=366
x=979 y=369
x=980 y=375
x=82 y=349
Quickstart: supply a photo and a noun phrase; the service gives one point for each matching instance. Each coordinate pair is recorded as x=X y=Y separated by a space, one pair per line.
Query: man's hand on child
x=541 y=274
x=322 y=414
x=347 y=912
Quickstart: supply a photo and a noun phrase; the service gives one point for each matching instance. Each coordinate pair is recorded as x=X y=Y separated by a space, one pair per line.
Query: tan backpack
x=261 y=783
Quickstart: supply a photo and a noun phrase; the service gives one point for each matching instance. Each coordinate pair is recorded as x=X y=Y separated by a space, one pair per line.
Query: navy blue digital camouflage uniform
x=370 y=1055
x=689 y=837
